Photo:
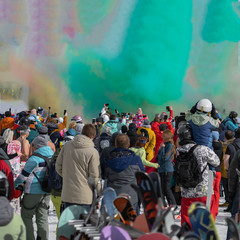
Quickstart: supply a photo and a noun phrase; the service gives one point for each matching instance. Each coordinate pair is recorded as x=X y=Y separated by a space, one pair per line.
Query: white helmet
x=204 y=105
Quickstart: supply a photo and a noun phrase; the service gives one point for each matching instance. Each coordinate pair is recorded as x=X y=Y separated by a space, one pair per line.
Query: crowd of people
x=112 y=148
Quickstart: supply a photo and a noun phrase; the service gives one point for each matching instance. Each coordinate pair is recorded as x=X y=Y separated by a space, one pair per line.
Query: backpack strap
x=46 y=159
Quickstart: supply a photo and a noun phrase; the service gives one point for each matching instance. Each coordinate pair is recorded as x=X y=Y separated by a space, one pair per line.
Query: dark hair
x=229 y=134
x=124 y=129
x=112 y=117
x=89 y=130
x=157 y=119
x=7 y=114
x=122 y=141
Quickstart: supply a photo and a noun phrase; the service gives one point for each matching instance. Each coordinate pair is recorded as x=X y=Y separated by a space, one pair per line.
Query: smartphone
x=10 y=110
x=93 y=120
x=182 y=114
x=165 y=117
x=64 y=112
x=168 y=108
x=106 y=104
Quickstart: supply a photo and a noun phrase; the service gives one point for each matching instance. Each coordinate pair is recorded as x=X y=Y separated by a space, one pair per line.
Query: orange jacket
x=63 y=125
x=7 y=122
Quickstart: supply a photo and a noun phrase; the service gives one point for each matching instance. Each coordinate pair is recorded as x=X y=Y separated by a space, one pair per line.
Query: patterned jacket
x=204 y=156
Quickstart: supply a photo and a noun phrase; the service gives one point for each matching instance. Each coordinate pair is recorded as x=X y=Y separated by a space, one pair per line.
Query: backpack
x=188 y=171
x=44 y=184
x=54 y=179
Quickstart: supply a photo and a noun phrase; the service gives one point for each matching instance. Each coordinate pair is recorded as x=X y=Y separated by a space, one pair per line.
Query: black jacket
x=218 y=149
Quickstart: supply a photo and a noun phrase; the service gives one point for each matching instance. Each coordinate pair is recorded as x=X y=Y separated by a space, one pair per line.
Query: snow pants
x=185 y=204
x=35 y=204
x=216 y=195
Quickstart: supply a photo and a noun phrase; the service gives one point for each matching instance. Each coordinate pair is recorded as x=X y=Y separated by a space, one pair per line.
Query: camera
x=106 y=104
x=64 y=112
x=93 y=120
x=168 y=108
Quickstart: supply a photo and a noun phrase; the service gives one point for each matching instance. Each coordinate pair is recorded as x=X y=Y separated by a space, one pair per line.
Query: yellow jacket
x=150 y=145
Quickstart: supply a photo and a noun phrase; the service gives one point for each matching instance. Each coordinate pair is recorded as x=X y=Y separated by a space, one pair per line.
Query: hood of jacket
x=51 y=127
x=200 y=119
x=82 y=141
x=119 y=159
x=45 y=151
x=6 y=212
x=227 y=142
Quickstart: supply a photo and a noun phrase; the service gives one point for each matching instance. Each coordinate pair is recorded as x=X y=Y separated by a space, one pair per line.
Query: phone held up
x=93 y=120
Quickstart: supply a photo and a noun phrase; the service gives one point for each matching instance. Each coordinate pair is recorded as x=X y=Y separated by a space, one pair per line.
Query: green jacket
x=142 y=154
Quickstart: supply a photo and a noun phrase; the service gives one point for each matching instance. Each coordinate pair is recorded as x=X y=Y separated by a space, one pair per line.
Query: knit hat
x=146 y=123
x=23 y=128
x=215 y=135
x=41 y=141
x=132 y=126
x=43 y=130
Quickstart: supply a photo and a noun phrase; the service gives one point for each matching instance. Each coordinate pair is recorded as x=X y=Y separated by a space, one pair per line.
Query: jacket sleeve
x=231 y=126
x=94 y=171
x=232 y=174
x=171 y=116
x=152 y=142
x=59 y=162
x=170 y=127
x=28 y=169
x=214 y=123
x=211 y=157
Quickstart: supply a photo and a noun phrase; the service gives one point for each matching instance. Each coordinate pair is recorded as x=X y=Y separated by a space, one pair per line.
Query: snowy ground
x=220 y=222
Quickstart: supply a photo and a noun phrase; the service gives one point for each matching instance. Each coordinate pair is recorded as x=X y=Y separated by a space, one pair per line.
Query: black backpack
x=188 y=171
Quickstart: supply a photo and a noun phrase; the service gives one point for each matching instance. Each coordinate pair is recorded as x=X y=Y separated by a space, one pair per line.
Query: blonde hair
x=72 y=125
x=169 y=136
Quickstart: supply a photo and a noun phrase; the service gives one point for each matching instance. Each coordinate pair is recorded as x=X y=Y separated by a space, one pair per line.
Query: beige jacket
x=77 y=161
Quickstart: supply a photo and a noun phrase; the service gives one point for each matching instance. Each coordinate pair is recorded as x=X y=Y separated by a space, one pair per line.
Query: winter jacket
x=104 y=141
x=32 y=135
x=218 y=149
x=96 y=140
x=7 y=122
x=202 y=126
x=233 y=148
x=230 y=124
x=11 y=224
x=232 y=174
x=6 y=168
x=164 y=158
x=138 y=120
x=158 y=133
x=132 y=134
x=54 y=134
x=222 y=167
x=77 y=161
x=34 y=164
x=121 y=166
x=63 y=125
x=204 y=157
x=149 y=146
x=140 y=151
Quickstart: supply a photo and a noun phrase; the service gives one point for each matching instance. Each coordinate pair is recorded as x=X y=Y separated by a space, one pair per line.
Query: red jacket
x=5 y=166
x=158 y=133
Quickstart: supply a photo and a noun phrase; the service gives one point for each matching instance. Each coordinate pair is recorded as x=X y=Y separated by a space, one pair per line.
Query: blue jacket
x=38 y=165
x=165 y=159
x=230 y=124
x=202 y=127
x=113 y=125
x=120 y=168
